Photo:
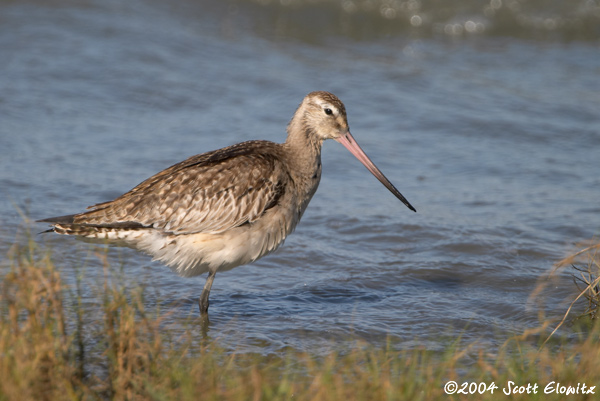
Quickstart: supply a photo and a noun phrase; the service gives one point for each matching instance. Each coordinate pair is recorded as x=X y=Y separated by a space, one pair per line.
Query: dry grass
x=50 y=351
x=586 y=264
x=586 y=278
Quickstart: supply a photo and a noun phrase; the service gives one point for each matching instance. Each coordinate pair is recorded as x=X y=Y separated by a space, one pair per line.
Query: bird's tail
x=122 y=233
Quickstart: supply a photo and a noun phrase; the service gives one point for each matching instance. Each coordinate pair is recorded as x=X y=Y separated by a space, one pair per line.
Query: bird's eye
x=328 y=111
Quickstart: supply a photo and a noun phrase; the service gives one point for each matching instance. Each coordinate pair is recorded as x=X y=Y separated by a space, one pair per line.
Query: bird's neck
x=303 y=146
x=303 y=149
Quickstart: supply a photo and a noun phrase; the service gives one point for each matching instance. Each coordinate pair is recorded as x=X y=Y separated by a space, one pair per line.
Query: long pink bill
x=348 y=141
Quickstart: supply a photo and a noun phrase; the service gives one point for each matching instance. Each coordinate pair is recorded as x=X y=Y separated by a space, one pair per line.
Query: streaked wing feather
x=209 y=193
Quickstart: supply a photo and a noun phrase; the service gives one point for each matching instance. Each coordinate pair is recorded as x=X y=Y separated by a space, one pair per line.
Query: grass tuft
x=587 y=277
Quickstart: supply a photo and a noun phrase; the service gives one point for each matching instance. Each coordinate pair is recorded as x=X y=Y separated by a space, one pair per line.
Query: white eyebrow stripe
x=325 y=105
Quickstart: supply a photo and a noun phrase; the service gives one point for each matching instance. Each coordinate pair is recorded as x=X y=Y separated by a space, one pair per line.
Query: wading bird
x=228 y=207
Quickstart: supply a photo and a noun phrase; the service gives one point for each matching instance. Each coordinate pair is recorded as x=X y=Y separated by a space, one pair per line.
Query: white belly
x=192 y=254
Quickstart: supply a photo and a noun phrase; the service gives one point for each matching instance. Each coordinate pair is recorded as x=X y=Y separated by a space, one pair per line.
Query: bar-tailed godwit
x=228 y=207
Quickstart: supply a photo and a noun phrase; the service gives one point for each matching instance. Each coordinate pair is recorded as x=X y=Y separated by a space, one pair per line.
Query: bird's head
x=321 y=116
x=324 y=116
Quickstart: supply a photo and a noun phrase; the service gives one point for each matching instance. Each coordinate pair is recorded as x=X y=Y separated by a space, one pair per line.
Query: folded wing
x=209 y=193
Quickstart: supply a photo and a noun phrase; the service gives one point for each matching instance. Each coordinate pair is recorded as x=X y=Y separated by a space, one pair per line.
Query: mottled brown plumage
x=228 y=207
x=210 y=193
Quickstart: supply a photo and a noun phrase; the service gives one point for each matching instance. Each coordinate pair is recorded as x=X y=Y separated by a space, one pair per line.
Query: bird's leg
x=203 y=301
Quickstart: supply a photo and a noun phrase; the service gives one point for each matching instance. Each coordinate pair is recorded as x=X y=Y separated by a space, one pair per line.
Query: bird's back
x=211 y=193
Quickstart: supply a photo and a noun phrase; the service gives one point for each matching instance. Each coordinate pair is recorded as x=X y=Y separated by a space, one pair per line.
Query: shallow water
x=492 y=134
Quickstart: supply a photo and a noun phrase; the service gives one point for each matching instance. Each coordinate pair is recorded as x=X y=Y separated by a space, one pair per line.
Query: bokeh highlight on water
x=527 y=19
x=483 y=114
